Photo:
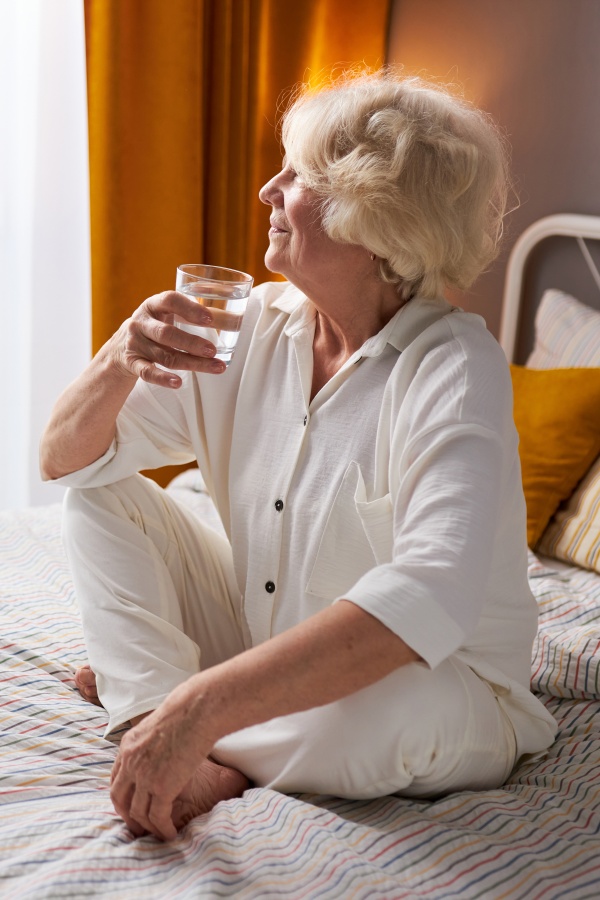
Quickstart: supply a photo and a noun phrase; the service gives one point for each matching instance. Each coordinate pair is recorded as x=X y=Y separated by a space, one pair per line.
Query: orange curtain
x=182 y=99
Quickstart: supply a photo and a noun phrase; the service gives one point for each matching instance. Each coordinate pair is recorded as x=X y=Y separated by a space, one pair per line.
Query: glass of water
x=225 y=292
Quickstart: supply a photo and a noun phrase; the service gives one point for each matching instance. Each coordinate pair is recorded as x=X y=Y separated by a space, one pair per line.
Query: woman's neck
x=341 y=329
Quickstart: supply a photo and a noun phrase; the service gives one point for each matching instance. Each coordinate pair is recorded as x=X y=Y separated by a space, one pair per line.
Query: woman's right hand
x=150 y=339
x=83 y=421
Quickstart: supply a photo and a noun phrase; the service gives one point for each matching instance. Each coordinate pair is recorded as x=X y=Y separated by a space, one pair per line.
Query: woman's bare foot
x=209 y=784
x=85 y=682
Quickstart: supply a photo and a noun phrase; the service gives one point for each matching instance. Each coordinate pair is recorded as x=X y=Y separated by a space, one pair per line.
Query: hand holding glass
x=225 y=293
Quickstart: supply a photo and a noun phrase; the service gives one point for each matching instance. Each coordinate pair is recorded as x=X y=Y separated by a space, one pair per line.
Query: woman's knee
x=131 y=499
x=79 y=507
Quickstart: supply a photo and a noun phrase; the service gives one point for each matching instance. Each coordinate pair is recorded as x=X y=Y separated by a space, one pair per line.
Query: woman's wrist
x=202 y=705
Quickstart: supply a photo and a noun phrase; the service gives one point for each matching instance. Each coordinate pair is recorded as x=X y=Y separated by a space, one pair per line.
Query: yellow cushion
x=557 y=414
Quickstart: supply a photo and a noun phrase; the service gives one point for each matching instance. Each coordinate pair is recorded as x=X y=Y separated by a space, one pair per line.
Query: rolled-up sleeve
x=151 y=431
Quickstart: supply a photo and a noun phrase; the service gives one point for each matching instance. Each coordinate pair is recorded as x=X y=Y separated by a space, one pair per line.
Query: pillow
x=573 y=534
x=557 y=414
x=567 y=333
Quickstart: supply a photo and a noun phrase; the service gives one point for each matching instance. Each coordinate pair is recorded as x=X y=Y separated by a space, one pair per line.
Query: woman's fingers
x=169 y=304
x=143 y=353
x=140 y=810
x=153 y=375
x=124 y=810
x=148 y=342
x=115 y=769
x=166 y=335
x=160 y=817
x=126 y=799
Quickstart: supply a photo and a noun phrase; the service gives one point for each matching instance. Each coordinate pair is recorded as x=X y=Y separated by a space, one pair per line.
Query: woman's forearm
x=329 y=656
x=82 y=424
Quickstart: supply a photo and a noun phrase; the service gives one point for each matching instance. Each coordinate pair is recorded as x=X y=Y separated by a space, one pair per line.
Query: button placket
x=275 y=523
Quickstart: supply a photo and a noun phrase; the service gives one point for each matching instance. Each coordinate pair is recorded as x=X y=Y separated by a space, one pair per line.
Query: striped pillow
x=567 y=333
x=573 y=534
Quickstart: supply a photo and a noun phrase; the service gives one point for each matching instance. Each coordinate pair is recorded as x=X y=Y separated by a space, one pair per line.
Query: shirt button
x=269 y=587
x=305 y=419
x=279 y=505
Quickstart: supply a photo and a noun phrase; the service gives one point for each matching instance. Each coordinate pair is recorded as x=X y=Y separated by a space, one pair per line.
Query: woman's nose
x=269 y=191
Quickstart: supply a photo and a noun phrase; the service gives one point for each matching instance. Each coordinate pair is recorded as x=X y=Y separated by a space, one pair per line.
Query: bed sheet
x=536 y=837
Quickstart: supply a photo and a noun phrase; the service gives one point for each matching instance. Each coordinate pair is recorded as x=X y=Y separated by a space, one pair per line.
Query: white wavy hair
x=410 y=171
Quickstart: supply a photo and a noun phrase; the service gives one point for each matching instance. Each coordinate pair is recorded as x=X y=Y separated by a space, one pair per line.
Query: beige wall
x=535 y=66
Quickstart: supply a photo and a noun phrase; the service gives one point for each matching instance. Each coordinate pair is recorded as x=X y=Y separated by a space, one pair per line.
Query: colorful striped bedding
x=536 y=837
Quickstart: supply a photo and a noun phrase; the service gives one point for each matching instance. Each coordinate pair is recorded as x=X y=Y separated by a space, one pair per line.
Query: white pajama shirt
x=397 y=487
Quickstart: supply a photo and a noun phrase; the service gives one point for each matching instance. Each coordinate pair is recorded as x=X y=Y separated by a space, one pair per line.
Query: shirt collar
x=407 y=324
x=403 y=328
x=298 y=307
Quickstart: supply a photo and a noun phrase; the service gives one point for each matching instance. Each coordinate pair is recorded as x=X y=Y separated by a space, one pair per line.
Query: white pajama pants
x=159 y=601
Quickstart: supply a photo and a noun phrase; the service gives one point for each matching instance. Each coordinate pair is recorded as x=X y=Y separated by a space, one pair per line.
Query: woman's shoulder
x=428 y=323
x=434 y=326
x=481 y=356
x=455 y=366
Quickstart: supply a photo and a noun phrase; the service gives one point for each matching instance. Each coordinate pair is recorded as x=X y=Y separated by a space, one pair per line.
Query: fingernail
x=217 y=365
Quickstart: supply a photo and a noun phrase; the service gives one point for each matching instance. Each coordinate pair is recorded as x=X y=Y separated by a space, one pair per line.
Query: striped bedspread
x=536 y=837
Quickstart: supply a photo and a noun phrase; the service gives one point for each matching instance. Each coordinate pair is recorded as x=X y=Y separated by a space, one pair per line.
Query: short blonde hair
x=406 y=169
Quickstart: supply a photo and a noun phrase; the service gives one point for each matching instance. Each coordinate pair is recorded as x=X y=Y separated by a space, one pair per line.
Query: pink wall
x=535 y=66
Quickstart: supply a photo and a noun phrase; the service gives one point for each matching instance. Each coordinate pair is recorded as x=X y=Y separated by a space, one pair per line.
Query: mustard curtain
x=182 y=99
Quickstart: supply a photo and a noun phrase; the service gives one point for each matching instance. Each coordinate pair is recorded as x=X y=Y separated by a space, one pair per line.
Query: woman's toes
x=85 y=682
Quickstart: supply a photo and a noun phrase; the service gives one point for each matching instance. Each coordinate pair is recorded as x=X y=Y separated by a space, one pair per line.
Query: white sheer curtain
x=44 y=230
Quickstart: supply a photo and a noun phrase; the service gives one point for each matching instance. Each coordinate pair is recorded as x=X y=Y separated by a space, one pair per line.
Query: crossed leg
x=185 y=606
x=150 y=580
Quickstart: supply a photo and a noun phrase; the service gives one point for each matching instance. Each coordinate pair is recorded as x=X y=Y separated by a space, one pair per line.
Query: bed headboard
x=565 y=225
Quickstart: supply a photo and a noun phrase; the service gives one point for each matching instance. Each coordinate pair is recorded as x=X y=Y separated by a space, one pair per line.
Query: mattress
x=535 y=837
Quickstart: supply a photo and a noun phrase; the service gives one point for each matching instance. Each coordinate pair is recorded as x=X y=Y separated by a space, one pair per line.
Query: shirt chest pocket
x=358 y=535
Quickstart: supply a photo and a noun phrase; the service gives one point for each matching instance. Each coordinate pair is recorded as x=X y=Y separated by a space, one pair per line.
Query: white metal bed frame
x=580 y=227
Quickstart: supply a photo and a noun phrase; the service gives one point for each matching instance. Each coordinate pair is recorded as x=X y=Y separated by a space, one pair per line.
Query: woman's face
x=297 y=243
x=335 y=275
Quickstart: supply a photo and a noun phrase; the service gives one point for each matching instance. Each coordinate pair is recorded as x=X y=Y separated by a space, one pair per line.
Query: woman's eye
x=286 y=167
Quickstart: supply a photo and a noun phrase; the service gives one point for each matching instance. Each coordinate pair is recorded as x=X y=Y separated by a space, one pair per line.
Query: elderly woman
x=366 y=628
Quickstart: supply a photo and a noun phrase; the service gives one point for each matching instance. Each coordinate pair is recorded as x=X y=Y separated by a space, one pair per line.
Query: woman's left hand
x=156 y=760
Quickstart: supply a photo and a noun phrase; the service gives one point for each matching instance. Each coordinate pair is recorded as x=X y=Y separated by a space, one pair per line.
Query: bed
x=538 y=836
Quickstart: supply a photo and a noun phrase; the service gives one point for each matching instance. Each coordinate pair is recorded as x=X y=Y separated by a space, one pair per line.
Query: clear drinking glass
x=225 y=292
